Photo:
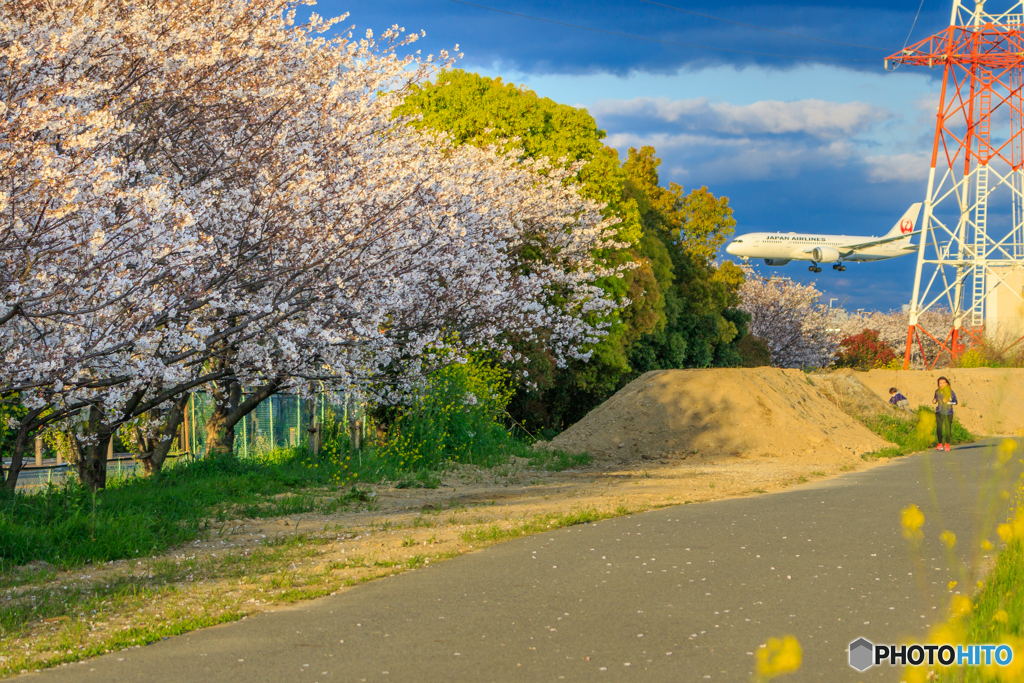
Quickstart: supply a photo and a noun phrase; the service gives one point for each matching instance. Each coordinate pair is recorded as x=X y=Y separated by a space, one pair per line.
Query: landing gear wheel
x=836 y=266
x=841 y=269
x=814 y=269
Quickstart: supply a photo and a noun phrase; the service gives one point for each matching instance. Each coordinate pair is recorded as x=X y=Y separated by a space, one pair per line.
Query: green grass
x=910 y=433
x=68 y=526
x=126 y=592
x=555 y=461
x=998 y=611
x=497 y=532
x=72 y=607
x=68 y=652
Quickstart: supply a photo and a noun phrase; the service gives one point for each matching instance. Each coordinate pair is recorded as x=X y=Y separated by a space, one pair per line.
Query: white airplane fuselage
x=779 y=248
x=800 y=247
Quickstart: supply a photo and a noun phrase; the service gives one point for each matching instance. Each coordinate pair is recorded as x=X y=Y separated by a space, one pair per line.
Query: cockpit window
x=737 y=241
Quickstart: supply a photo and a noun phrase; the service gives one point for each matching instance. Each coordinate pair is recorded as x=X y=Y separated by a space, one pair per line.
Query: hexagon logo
x=861 y=654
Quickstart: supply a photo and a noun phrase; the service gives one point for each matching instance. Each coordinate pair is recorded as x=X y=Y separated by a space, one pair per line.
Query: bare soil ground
x=991 y=400
x=759 y=413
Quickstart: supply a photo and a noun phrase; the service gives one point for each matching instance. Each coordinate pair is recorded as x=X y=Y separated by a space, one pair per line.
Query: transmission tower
x=971 y=260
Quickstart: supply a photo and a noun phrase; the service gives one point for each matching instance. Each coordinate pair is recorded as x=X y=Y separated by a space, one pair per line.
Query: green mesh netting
x=280 y=421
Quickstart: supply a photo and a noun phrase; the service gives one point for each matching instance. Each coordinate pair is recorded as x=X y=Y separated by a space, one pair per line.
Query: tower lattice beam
x=965 y=262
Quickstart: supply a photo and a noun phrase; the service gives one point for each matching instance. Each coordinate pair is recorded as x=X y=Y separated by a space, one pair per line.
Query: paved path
x=680 y=594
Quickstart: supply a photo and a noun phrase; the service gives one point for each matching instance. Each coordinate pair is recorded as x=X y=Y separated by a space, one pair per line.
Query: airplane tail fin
x=907 y=223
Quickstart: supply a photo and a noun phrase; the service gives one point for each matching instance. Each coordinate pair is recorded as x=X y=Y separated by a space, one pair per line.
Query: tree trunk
x=228 y=411
x=17 y=459
x=220 y=428
x=314 y=430
x=175 y=416
x=28 y=425
x=92 y=464
x=92 y=459
x=145 y=445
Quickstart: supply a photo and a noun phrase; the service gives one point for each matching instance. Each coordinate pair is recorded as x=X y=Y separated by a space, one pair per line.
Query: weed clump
x=910 y=432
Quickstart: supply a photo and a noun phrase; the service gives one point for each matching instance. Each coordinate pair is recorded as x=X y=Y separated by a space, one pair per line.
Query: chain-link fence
x=280 y=421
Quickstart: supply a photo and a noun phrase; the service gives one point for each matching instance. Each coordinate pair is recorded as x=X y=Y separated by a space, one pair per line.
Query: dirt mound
x=845 y=390
x=991 y=399
x=757 y=412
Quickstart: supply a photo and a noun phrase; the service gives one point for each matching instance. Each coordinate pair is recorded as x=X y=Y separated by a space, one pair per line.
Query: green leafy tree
x=484 y=111
x=682 y=307
x=682 y=235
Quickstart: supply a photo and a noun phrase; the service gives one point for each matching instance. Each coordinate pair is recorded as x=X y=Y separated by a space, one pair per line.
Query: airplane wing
x=851 y=248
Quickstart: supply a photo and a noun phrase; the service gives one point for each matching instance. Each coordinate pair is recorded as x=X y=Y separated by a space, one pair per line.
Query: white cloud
x=671 y=141
x=812 y=117
x=907 y=167
x=742 y=158
x=928 y=104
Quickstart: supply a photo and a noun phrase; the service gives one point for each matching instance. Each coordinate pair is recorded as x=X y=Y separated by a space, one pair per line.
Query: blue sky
x=804 y=135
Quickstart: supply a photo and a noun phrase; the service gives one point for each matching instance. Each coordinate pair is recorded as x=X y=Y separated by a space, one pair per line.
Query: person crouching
x=898 y=400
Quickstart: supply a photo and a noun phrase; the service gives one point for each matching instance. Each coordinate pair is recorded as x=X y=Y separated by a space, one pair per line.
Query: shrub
x=10 y=409
x=864 y=351
x=457 y=416
x=911 y=433
x=754 y=352
x=980 y=358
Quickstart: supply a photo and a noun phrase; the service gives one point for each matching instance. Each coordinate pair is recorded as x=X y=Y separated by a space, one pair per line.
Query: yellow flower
x=1006 y=449
x=1014 y=671
x=912 y=521
x=1001 y=616
x=915 y=674
x=948 y=538
x=960 y=605
x=779 y=657
x=947 y=633
x=952 y=585
x=926 y=426
x=986 y=545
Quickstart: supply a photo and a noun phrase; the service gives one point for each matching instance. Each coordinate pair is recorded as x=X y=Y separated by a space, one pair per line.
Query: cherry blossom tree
x=892 y=329
x=211 y=194
x=88 y=234
x=799 y=331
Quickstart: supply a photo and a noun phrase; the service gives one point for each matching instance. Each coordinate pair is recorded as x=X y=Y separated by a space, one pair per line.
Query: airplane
x=778 y=249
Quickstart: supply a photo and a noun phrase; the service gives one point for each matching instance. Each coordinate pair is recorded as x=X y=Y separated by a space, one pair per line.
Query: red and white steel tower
x=970 y=259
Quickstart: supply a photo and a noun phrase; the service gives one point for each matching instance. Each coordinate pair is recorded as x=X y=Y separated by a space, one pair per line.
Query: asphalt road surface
x=685 y=593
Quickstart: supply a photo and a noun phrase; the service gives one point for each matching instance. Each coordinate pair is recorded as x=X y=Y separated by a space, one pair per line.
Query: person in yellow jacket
x=944 y=401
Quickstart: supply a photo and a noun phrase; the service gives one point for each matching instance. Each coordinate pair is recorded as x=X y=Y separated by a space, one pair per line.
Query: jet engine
x=825 y=254
x=776 y=261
